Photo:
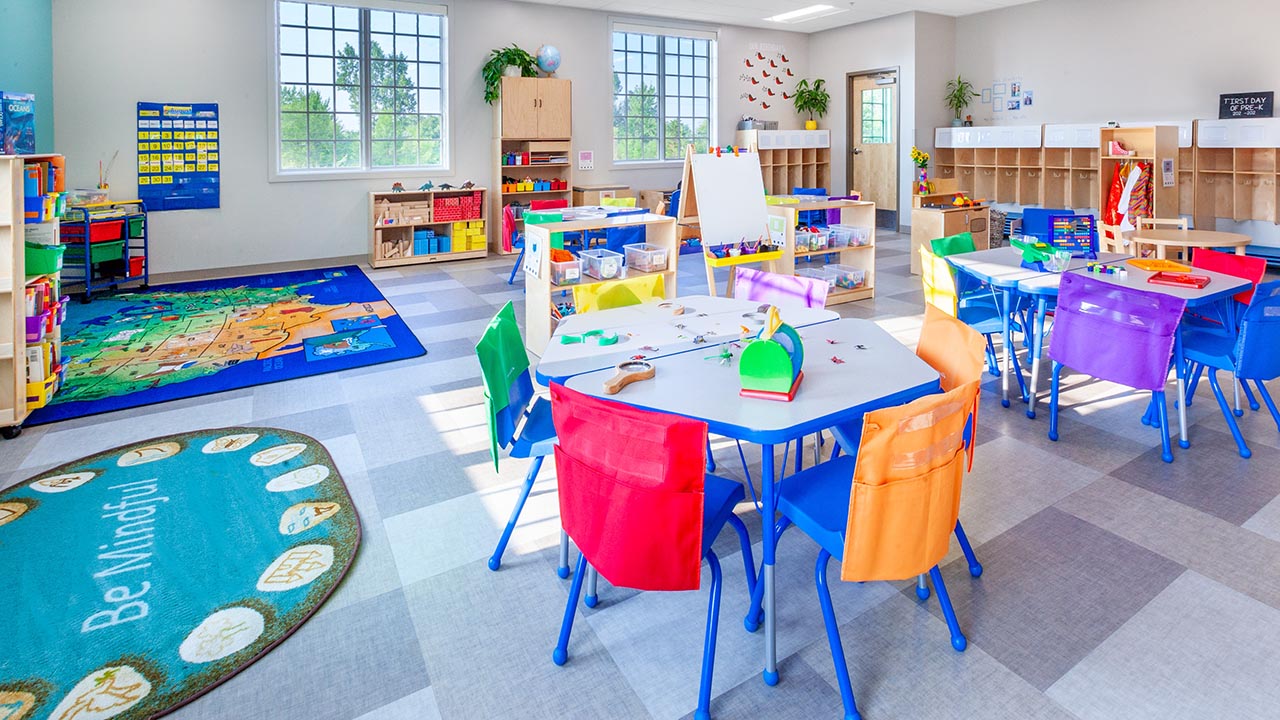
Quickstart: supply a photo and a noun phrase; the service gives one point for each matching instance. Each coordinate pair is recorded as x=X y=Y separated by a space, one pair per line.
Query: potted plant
x=959 y=94
x=506 y=62
x=812 y=99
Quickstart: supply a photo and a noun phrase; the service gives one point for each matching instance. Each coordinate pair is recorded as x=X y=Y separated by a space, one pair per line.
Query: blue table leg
x=1037 y=350
x=1180 y=367
x=770 y=501
x=1007 y=295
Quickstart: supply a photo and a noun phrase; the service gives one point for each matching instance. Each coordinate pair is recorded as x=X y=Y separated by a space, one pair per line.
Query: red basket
x=101 y=231
x=137 y=264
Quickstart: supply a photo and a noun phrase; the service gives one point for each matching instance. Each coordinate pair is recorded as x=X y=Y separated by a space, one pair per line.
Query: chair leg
x=958 y=640
x=1162 y=410
x=748 y=558
x=1248 y=395
x=561 y=654
x=1230 y=416
x=1054 y=386
x=1194 y=371
x=495 y=561
x=1266 y=398
x=709 y=646
x=922 y=588
x=833 y=637
x=755 y=612
x=746 y=472
x=835 y=451
x=563 y=569
x=993 y=361
x=975 y=567
x=592 y=599
x=516 y=268
x=711 y=461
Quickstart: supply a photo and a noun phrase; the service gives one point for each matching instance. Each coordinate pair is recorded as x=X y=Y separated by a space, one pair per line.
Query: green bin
x=98 y=252
x=43 y=259
x=135 y=226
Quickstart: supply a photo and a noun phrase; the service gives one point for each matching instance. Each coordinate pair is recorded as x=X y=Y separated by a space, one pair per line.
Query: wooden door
x=555 y=113
x=872 y=166
x=520 y=107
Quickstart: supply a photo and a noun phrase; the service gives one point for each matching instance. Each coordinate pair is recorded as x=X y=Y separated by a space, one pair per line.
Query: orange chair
x=957 y=352
x=888 y=512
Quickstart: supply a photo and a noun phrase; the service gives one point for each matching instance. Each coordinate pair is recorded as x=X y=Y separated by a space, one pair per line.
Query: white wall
x=935 y=65
x=884 y=43
x=107 y=59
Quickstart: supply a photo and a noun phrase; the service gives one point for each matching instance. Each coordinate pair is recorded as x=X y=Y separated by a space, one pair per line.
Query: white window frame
x=276 y=174
x=668 y=30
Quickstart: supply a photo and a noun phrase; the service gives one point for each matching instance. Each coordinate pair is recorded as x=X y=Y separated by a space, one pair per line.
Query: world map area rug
x=139 y=578
x=195 y=338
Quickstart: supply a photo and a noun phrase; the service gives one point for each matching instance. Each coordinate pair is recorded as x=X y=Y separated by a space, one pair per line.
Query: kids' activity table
x=851 y=367
x=654 y=329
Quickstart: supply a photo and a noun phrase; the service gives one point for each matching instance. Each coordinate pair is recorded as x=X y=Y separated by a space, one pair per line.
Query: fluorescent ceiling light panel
x=807 y=13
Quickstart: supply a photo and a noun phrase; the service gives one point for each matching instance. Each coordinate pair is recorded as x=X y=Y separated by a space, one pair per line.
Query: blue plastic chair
x=887 y=511
x=1139 y=330
x=519 y=422
x=635 y=500
x=1251 y=354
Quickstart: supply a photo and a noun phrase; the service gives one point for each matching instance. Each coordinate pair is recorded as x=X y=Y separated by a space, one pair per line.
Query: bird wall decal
x=777 y=81
x=773 y=64
x=784 y=58
x=759 y=56
x=764 y=73
x=769 y=91
x=748 y=63
x=764 y=105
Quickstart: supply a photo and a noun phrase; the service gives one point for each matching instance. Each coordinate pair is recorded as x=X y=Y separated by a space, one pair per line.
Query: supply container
x=817 y=274
x=644 y=257
x=602 y=264
x=846 y=277
x=568 y=272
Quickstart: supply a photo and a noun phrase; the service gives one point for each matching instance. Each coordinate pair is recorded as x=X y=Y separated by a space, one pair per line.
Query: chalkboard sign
x=1246 y=105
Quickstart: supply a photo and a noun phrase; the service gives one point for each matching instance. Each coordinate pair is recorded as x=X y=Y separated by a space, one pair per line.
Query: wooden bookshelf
x=533 y=118
x=394 y=216
x=859 y=213
x=790 y=159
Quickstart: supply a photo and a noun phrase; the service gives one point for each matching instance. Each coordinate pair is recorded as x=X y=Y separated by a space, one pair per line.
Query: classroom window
x=877 y=116
x=663 y=95
x=360 y=88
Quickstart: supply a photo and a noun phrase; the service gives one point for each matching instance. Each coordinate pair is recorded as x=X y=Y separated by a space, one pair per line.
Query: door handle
x=856 y=151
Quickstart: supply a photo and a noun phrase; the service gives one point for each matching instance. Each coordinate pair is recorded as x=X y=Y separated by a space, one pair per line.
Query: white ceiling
x=752 y=13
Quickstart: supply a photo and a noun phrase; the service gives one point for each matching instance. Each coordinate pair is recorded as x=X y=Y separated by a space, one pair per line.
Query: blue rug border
x=407 y=347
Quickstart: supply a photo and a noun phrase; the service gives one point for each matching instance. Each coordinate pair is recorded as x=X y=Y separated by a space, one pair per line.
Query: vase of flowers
x=921 y=160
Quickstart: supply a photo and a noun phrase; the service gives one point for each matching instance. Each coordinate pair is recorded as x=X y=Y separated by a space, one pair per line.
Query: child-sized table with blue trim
x=874 y=371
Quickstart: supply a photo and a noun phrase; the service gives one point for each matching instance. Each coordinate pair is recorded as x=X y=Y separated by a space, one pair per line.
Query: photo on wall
x=1027 y=98
x=1015 y=89
x=1015 y=104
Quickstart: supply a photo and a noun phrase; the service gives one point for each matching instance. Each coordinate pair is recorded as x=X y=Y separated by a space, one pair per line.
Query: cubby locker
x=1084 y=188
x=1186 y=159
x=945 y=172
x=1255 y=160
x=795 y=156
x=964 y=156
x=1214 y=160
x=1006 y=185
x=811 y=176
x=968 y=177
x=1215 y=198
x=1029 y=157
x=1029 y=186
x=1007 y=157
x=1057 y=157
x=779 y=186
x=1186 y=193
x=985 y=157
x=984 y=187
x=809 y=156
x=1057 y=188
x=1255 y=197
x=944 y=156
x=1084 y=158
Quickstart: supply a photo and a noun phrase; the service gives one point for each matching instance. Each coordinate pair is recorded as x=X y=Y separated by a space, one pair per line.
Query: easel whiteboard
x=730 y=194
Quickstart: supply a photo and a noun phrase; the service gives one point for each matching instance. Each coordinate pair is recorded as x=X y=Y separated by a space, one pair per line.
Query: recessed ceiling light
x=807 y=13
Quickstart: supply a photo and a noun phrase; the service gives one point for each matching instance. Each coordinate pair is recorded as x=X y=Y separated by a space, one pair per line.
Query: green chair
x=953 y=244
x=519 y=422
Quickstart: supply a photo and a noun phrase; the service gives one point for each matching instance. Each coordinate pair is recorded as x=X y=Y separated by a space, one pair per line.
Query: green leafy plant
x=498 y=61
x=960 y=93
x=812 y=98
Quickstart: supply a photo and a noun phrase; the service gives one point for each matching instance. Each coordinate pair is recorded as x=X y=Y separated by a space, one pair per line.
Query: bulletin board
x=178 y=157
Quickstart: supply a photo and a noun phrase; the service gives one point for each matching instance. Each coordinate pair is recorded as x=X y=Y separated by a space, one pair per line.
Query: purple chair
x=1118 y=334
x=780 y=290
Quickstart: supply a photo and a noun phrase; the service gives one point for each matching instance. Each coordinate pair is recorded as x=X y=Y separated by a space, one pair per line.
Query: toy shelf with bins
x=790 y=159
x=659 y=231
x=394 y=218
x=858 y=213
x=540 y=169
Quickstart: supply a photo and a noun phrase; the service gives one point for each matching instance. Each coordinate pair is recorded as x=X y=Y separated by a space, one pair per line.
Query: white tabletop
x=882 y=372
x=1220 y=285
x=653 y=331
x=1002 y=267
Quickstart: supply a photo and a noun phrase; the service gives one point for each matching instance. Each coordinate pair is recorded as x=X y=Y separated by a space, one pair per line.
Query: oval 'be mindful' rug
x=137 y=579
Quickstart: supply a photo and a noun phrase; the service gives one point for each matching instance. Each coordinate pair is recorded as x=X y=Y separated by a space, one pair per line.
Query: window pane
x=292 y=13
x=346 y=18
x=319 y=15
x=293 y=40
x=655 y=120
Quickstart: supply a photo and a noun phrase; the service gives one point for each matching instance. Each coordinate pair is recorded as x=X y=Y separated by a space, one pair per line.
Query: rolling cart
x=106 y=246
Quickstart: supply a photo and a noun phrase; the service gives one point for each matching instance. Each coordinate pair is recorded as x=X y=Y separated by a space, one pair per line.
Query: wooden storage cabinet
x=858 y=213
x=535 y=109
x=931 y=223
x=455 y=219
x=790 y=158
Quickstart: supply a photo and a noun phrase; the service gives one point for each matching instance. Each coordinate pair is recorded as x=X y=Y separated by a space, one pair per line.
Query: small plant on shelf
x=960 y=93
x=813 y=100
x=499 y=61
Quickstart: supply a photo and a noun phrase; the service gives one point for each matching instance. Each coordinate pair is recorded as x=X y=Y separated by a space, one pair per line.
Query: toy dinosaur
x=397 y=187
x=468 y=185
x=426 y=186
x=446 y=186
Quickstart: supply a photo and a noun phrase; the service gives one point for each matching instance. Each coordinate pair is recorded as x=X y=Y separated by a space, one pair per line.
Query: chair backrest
x=939 y=283
x=504 y=368
x=673 y=205
x=548 y=204
x=1148 y=223
x=781 y=290
x=953 y=244
x=623 y=202
x=1113 y=332
x=957 y=352
x=631 y=489
x=1242 y=266
x=1258 y=349
x=508 y=227
x=632 y=291
x=1111 y=239
x=1035 y=221
x=906 y=487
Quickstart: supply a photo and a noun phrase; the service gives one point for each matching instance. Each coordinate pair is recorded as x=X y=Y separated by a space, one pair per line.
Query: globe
x=548 y=59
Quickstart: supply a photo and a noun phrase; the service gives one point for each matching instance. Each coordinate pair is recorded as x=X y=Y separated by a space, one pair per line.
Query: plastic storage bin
x=602 y=264
x=858 y=236
x=644 y=257
x=36 y=326
x=568 y=272
x=100 y=231
x=76 y=198
x=98 y=252
x=846 y=277
x=817 y=274
x=43 y=259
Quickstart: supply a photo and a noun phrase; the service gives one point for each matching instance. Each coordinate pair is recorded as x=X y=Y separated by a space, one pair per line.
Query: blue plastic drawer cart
x=87 y=230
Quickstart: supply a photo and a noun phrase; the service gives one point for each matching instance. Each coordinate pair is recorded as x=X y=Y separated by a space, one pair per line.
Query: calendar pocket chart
x=178 y=156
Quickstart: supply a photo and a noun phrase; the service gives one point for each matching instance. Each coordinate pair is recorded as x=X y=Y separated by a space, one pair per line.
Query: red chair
x=634 y=498
x=1244 y=267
